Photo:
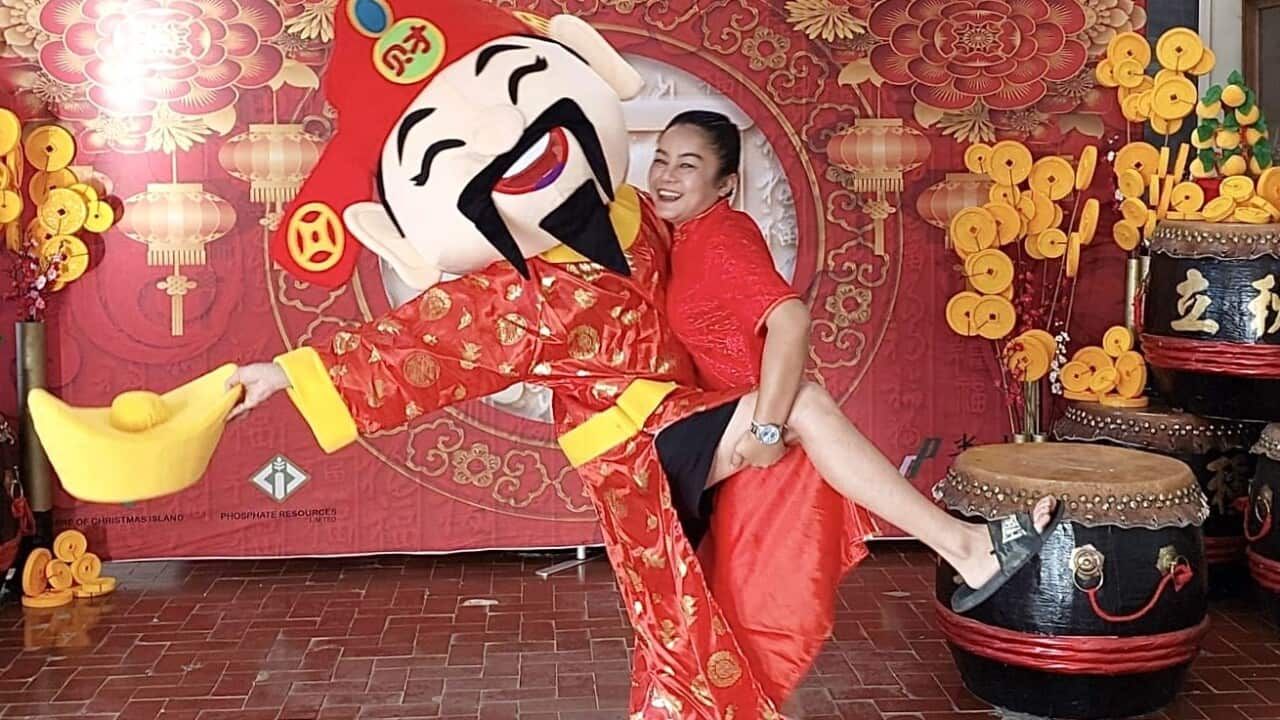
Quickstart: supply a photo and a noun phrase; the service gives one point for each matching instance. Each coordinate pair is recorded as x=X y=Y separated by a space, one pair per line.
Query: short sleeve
x=749 y=275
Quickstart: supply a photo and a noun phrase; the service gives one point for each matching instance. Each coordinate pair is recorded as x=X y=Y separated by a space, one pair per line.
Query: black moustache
x=476 y=201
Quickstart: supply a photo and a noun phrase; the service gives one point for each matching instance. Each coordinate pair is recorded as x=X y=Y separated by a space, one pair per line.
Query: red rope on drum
x=1261 y=361
x=1262 y=531
x=1072 y=654
x=1179 y=576
x=1265 y=571
x=1219 y=550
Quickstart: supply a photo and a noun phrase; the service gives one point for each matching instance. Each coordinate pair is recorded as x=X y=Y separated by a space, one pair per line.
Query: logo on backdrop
x=279 y=478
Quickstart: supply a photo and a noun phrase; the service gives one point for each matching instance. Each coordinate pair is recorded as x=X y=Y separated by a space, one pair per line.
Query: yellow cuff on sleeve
x=316 y=397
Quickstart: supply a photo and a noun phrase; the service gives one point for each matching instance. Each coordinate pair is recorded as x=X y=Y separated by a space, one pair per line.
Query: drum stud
x=1086 y=563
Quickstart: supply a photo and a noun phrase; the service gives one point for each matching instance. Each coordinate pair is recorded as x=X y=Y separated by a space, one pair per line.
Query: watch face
x=768 y=434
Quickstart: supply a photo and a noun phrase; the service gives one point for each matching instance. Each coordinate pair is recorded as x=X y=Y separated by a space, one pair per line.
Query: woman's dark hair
x=724 y=136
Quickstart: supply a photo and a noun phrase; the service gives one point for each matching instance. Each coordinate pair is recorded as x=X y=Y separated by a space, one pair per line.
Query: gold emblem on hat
x=316 y=237
x=409 y=52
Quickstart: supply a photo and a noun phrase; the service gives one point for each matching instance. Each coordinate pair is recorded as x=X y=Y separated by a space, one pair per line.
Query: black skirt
x=687 y=450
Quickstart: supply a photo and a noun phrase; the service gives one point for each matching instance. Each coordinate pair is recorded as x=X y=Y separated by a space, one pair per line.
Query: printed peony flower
x=193 y=56
x=954 y=52
x=1104 y=19
x=20 y=32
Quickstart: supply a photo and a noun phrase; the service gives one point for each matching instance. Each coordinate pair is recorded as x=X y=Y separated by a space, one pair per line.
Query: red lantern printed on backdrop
x=176 y=221
x=941 y=201
x=875 y=154
x=878 y=152
x=273 y=159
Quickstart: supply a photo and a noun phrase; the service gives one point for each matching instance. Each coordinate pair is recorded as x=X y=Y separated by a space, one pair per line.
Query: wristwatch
x=766 y=433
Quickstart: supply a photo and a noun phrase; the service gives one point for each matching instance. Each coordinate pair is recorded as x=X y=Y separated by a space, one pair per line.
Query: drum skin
x=1045 y=600
x=1209 y=331
x=1217 y=451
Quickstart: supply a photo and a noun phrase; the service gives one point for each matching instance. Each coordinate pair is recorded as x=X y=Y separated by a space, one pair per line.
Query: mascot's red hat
x=385 y=51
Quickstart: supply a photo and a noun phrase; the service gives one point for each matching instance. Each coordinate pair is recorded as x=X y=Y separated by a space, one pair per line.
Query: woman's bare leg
x=853 y=466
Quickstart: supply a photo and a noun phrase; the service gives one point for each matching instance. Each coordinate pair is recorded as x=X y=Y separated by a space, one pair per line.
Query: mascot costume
x=490 y=145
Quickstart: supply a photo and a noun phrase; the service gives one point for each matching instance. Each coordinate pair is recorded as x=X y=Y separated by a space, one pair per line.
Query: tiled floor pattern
x=481 y=637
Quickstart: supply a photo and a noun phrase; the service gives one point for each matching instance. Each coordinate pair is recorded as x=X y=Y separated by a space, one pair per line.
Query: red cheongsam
x=780 y=538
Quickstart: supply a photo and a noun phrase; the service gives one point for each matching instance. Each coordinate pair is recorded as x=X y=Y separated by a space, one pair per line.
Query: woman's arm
x=786 y=349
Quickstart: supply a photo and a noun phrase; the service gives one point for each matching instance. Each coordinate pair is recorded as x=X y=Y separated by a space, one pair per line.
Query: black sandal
x=1016 y=542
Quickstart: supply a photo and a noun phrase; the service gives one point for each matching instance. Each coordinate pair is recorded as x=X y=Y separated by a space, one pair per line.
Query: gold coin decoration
x=45 y=208
x=50 y=148
x=69 y=572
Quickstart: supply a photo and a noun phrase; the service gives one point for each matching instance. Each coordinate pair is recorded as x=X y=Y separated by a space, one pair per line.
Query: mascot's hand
x=260 y=382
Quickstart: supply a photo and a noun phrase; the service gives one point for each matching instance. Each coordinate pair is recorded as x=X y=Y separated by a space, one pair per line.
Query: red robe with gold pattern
x=784 y=522
x=586 y=334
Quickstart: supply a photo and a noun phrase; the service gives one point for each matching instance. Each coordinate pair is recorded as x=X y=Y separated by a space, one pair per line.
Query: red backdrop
x=205 y=163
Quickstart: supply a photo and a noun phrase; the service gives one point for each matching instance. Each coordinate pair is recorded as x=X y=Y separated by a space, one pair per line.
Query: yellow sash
x=610 y=428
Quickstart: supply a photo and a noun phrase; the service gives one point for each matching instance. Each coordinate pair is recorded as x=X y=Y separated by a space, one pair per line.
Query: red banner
x=184 y=284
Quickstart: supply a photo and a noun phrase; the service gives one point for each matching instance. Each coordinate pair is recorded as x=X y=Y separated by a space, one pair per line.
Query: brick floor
x=481 y=637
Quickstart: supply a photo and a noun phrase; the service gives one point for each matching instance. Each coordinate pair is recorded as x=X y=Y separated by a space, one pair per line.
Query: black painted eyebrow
x=436 y=148
x=513 y=82
x=410 y=121
x=488 y=54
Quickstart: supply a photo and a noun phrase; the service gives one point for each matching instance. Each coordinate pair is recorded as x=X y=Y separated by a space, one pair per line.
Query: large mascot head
x=485 y=134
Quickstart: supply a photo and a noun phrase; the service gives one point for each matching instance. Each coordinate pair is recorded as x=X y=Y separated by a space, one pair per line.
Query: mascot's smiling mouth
x=581 y=221
x=538 y=167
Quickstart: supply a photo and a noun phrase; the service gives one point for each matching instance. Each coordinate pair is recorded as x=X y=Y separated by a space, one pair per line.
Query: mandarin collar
x=718 y=208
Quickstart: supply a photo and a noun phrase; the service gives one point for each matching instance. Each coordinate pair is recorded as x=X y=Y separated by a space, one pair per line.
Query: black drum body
x=1261 y=528
x=1217 y=451
x=1211 y=322
x=1106 y=621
